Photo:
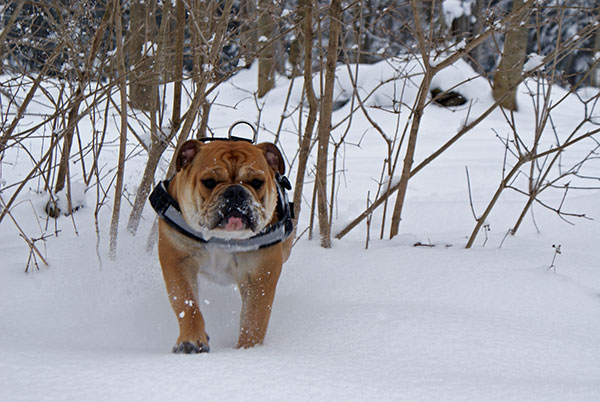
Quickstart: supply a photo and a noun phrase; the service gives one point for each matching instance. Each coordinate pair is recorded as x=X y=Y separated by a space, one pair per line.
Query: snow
x=454 y=9
x=534 y=61
x=392 y=323
x=150 y=48
x=78 y=197
x=460 y=77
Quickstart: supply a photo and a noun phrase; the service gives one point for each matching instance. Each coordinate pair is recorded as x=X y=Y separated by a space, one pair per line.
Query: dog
x=225 y=190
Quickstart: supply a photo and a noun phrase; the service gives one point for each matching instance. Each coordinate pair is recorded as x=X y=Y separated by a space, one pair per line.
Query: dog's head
x=227 y=189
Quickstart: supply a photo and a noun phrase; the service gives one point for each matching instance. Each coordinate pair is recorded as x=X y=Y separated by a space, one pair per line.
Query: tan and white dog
x=224 y=190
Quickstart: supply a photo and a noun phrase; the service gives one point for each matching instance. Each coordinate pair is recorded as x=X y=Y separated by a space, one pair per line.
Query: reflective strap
x=167 y=208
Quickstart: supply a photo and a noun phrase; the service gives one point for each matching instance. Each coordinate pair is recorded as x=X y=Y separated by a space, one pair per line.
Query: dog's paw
x=191 y=348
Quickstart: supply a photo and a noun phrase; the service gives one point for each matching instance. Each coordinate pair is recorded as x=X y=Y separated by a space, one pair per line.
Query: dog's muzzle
x=235 y=209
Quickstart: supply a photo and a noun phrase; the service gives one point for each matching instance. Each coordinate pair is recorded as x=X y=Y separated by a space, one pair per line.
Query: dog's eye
x=256 y=183
x=209 y=183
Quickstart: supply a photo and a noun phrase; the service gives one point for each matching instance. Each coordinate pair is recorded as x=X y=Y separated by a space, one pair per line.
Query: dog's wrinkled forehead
x=232 y=156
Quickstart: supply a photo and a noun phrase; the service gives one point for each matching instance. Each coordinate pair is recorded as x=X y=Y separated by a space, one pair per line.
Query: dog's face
x=227 y=189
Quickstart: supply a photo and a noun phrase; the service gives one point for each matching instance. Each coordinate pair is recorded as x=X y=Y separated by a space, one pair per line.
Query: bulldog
x=226 y=191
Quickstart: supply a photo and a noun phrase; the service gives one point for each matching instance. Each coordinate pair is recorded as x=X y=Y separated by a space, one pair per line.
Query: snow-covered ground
x=392 y=323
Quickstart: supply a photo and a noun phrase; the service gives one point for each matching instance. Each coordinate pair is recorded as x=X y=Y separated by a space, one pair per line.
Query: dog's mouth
x=235 y=220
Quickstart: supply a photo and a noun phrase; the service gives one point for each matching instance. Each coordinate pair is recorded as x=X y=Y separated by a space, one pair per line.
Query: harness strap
x=168 y=209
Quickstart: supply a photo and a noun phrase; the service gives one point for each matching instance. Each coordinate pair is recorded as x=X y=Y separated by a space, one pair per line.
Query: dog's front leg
x=180 y=280
x=258 y=292
x=182 y=295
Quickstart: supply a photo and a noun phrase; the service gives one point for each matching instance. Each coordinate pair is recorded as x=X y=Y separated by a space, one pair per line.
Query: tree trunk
x=63 y=166
x=248 y=36
x=460 y=27
x=141 y=88
x=114 y=225
x=416 y=115
x=595 y=80
x=297 y=45
x=335 y=13
x=178 y=65
x=156 y=151
x=508 y=75
x=266 y=45
x=306 y=12
x=159 y=143
x=365 y=44
x=477 y=10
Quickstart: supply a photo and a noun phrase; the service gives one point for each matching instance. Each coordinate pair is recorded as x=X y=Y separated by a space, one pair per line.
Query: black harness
x=168 y=209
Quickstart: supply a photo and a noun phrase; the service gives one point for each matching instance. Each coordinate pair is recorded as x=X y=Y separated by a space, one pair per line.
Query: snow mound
x=392 y=83
x=58 y=204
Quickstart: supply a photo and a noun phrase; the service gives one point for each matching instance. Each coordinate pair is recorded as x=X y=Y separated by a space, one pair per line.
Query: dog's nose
x=235 y=194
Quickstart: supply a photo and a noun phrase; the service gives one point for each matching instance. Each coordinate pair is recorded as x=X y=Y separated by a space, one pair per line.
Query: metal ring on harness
x=237 y=123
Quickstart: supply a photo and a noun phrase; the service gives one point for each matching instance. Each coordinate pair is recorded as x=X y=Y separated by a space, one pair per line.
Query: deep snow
x=391 y=323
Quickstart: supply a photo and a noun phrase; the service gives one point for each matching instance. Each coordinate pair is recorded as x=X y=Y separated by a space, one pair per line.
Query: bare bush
x=150 y=71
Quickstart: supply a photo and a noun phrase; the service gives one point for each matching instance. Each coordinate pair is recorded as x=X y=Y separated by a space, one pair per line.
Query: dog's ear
x=186 y=153
x=273 y=157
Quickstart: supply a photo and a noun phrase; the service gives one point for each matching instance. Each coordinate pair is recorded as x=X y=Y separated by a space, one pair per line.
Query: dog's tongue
x=234 y=223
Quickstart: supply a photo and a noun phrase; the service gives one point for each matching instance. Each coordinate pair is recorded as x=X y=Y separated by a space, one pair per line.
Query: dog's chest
x=223 y=267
